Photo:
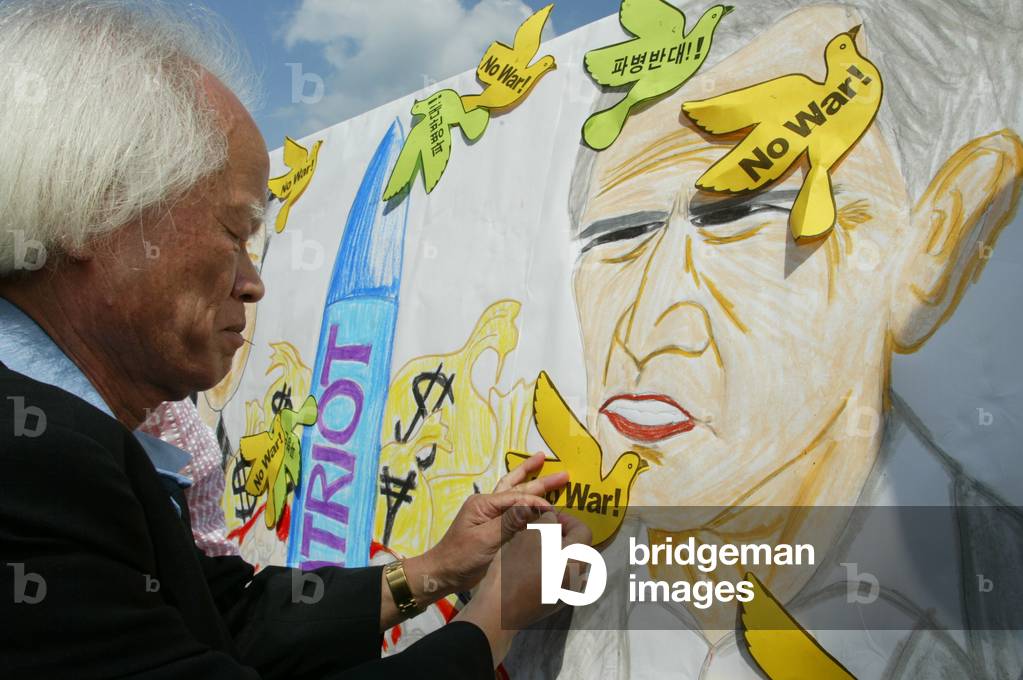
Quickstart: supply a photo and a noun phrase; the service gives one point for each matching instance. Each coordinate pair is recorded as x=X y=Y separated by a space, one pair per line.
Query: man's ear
x=954 y=227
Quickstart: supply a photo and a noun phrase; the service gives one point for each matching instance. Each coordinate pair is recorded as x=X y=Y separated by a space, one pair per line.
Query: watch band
x=394 y=573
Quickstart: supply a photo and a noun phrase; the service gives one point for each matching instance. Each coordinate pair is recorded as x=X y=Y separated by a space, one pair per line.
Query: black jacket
x=99 y=577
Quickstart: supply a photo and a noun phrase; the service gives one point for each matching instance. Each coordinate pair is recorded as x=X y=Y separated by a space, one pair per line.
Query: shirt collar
x=26 y=348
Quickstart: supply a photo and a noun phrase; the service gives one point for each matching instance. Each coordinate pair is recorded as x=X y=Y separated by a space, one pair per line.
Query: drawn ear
x=954 y=228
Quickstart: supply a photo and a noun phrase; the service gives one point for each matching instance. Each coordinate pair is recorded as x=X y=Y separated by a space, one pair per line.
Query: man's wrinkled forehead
x=656 y=140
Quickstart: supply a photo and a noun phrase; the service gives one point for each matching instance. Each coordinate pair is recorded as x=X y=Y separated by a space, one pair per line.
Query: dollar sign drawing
x=420 y=397
x=281 y=399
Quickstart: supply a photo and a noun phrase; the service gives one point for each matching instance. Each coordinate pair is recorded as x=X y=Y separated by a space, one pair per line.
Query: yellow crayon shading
x=781 y=647
x=290 y=186
x=789 y=117
x=446 y=433
x=507 y=72
x=600 y=502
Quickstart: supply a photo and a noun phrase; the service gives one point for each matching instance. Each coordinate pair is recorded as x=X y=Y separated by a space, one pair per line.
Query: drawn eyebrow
x=701 y=206
x=611 y=225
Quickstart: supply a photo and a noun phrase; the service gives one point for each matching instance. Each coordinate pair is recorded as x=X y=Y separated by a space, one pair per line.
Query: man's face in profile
x=735 y=361
x=218 y=395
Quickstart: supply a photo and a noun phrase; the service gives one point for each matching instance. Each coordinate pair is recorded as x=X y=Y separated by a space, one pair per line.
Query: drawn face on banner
x=745 y=368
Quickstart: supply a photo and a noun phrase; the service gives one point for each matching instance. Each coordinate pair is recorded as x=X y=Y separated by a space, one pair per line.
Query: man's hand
x=482 y=526
x=508 y=598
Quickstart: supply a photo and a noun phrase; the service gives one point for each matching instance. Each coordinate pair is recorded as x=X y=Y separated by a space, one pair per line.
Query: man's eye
x=238 y=240
x=623 y=234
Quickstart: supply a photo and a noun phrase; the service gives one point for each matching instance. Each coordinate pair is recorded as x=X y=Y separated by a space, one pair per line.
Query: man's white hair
x=103 y=115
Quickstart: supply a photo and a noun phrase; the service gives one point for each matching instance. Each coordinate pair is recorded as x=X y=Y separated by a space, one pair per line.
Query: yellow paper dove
x=506 y=70
x=600 y=502
x=658 y=60
x=290 y=186
x=428 y=145
x=791 y=116
x=780 y=646
x=275 y=457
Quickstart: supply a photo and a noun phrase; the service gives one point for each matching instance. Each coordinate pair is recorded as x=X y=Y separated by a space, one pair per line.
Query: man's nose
x=666 y=316
x=248 y=285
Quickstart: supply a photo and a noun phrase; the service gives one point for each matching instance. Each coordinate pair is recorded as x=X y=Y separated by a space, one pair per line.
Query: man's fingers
x=518 y=517
x=499 y=502
x=574 y=530
x=519 y=474
x=542 y=485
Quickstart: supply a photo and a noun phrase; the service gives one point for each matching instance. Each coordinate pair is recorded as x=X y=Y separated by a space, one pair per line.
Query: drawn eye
x=630 y=466
x=624 y=234
x=729 y=223
x=733 y=213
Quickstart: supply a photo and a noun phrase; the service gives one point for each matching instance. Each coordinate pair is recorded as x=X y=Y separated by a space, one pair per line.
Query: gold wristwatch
x=394 y=574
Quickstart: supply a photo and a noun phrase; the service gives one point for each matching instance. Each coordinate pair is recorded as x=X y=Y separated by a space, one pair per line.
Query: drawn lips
x=647 y=417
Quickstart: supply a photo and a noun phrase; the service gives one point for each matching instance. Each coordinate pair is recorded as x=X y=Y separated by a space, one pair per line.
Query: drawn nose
x=665 y=316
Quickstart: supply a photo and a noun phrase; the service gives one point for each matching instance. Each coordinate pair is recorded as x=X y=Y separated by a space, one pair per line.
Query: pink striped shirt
x=178 y=423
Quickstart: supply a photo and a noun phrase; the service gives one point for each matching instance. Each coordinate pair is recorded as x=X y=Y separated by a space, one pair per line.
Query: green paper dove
x=429 y=143
x=658 y=60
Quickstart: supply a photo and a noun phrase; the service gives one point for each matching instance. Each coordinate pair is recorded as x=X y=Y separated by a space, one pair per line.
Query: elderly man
x=133 y=179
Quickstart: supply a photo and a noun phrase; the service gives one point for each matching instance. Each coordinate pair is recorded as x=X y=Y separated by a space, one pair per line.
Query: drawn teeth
x=648 y=412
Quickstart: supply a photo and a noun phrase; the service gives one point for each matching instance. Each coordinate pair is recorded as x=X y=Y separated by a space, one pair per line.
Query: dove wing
x=727 y=174
x=527 y=38
x=652 y=18
x=742 y=108
x=474 y=123
x=294 y=153
x=560 y=429
x=779 y=645
x=434 y=165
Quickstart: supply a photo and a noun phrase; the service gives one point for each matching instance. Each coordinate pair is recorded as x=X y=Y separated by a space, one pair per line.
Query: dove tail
x=813 y=212
x=602 y=128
